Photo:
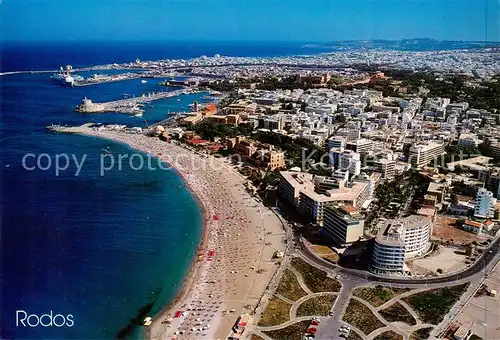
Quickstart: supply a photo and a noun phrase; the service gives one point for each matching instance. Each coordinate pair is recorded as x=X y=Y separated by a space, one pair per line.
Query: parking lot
x=482 y=313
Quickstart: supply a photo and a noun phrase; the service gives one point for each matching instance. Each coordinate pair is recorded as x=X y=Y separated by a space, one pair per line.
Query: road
x=472 y=270
x=351 y=278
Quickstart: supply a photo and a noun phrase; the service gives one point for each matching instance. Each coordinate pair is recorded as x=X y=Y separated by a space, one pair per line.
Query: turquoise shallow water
x=99 y=248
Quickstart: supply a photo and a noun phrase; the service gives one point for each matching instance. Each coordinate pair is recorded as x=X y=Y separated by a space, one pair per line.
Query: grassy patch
x=316 y=306
x=379 y=295
x=421 y=334
x=354 y=336
x=326 y=253
x=389 y=335
x=434 y=304
x=292 y=332
x=397 y=312
x=321 y=250
x=361 y=317
x=289 y=286
x=276 y=313
x=315 y=278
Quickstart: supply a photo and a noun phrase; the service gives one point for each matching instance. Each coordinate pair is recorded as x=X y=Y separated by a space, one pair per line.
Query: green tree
x=459 y=223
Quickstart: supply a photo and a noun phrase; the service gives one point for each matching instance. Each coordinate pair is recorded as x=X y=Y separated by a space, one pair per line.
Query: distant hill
x=416 y=44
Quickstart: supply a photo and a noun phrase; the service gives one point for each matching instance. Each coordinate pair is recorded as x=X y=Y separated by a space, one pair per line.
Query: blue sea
x=100 y=248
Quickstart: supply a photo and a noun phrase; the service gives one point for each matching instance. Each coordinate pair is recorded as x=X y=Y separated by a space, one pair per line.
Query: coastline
x=212 y=306
x=192 y=273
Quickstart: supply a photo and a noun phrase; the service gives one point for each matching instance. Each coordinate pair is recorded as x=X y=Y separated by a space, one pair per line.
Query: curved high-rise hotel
x=398 y=240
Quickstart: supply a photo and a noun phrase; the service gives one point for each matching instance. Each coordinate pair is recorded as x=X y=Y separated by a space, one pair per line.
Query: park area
x=360 y=316
x=432 y=305
x=325 y=252
x=315 y=278
x=303 y=291
x=378 y=295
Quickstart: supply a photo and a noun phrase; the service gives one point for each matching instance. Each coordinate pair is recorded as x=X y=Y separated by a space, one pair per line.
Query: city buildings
x=336 y=142
x=473 y=226
x=260 y=155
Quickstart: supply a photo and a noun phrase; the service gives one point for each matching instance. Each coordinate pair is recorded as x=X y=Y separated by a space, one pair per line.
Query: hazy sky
x=274 y=20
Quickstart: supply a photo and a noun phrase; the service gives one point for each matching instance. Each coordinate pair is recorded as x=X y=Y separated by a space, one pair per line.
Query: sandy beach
x=235 y=259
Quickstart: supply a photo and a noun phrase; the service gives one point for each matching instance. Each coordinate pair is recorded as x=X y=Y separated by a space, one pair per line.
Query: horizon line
x=216 y=40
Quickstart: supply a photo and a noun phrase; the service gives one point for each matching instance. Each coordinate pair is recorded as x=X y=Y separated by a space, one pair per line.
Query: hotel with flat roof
x=343 y=224
x=311 y=197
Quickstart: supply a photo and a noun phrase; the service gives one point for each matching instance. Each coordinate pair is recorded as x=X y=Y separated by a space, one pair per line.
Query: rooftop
x=475 y=163
x=392 y=232
x=304 y=183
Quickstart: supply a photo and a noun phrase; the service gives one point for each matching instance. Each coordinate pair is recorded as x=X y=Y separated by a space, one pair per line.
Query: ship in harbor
x=65 y=78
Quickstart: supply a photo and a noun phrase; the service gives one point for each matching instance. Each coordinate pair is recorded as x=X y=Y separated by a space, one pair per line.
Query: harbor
x=132 y=106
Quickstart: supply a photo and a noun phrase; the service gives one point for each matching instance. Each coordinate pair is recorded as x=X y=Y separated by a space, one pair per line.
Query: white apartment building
x=343 y=224
x=386 y=167
x=468 y=140
x=276 y=122
x=361 y=145
x=422 y=154
x=336 y=142
x=485 y=203
x=350 y=161
x=353 y=134
x=452 y=119
x=322 y=184
x=290 y=184
x=341 y=175
x=398 y=240
x=312 y=205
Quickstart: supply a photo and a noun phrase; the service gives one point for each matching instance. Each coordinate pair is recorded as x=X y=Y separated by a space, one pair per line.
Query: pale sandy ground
x=447 y=260
x=244 y=239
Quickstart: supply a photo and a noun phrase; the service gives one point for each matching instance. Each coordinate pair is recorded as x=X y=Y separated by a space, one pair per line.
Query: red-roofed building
x=473 y=227
x=198 y=141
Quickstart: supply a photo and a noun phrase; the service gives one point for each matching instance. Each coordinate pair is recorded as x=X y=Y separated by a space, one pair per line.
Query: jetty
x=70 y=129
x=129 y=105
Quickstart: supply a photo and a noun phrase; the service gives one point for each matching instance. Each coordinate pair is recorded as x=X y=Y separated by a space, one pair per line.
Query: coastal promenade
x=234 y=264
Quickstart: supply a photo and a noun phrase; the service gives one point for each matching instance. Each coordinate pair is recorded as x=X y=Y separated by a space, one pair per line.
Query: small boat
x=147 y=321
x=144 y=81
x=138 y=115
